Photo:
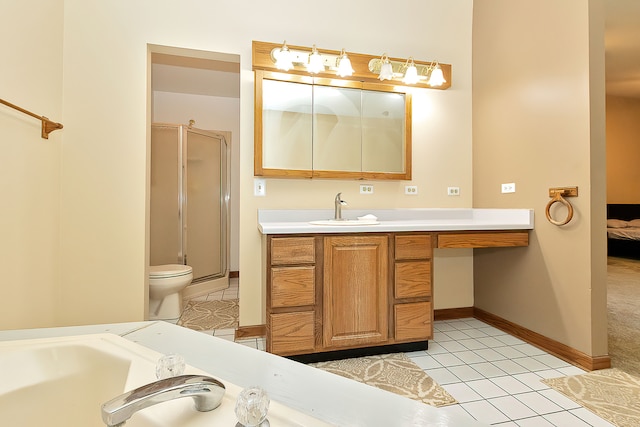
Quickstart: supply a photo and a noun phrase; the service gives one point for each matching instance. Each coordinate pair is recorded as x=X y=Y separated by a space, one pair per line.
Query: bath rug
x=210 y=315
x=392 y=372
x=609 y=393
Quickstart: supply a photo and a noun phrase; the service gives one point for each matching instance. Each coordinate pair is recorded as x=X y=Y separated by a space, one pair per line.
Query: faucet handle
x=170 y=365
x=251 y=407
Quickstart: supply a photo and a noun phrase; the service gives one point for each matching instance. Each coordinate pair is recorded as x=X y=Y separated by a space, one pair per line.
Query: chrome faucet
x=338 y=211
x=206 y=391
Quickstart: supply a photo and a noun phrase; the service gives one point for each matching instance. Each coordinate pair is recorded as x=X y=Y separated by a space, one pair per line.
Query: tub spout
x=207 y=393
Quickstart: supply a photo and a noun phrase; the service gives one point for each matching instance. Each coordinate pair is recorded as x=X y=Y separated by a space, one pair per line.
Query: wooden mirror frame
x=363 y=78
x=260 y=170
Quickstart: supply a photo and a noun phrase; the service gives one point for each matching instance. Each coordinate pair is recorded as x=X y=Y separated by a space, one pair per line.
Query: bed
x=623 y=230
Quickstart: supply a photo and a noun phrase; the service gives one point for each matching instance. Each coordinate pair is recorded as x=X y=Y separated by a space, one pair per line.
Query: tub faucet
x=338 y=211
x=206 y=391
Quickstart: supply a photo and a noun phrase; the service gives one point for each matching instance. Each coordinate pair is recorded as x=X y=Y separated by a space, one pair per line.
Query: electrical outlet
x=411 y=190
x=509 y=188
x=259 y=187
x=453 y=191
x=366 y=189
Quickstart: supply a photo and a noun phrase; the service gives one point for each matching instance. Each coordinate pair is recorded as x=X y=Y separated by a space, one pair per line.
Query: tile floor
x=494 y=376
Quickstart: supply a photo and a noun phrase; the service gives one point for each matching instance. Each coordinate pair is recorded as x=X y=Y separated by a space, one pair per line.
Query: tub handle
x=556 y=195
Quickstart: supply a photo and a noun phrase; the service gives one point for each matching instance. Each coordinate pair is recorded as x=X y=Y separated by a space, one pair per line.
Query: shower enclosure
x=189 y=199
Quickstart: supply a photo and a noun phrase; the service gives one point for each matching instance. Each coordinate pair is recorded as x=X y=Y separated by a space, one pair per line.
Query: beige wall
x=538 y=121
x=441 y=136
x=76 y=229
x=623 y=150
x=85 y=228
x=31 y=77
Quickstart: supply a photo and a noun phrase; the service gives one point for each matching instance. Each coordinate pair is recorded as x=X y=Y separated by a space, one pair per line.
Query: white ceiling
x=622 y=47
x=622 y=61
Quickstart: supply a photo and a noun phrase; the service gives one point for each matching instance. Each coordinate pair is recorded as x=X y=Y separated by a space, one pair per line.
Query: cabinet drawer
x=292 y=333
x=413 y=279
x=292 y=286
x=413 y=246
x=292 y=250
x=483 y=239
x=413 y=321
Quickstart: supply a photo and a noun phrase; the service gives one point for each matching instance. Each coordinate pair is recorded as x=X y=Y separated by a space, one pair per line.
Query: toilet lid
x=169 y=270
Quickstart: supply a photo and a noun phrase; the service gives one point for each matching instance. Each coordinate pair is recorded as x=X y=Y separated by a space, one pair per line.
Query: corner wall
x=538 y=121
x=106 y=102
x=31 y=76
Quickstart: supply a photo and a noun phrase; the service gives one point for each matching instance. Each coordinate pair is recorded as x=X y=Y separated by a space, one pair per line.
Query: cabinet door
x=292 y=250
x=413 y=321
x=413 y=279
x=355 y=293
x=292 y=286
x=292 y=333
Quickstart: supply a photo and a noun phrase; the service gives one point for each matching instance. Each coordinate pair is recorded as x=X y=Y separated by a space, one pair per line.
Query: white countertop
x=282 y=221
x=334 y=399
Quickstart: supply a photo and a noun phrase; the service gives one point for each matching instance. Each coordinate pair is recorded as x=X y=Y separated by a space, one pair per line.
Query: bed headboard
x=626 y=212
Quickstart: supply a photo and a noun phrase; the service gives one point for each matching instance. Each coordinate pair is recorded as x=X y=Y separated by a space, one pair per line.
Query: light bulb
x=344 y=65
x=386 y=69
x=315 y=64
x=411 y=75
x=437 y=77
x=284 y=58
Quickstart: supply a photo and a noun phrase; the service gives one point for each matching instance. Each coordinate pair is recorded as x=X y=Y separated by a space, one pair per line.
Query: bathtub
x=63 y=381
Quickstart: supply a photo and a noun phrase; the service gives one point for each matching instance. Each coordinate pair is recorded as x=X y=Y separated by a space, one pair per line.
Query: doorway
x=203 y=88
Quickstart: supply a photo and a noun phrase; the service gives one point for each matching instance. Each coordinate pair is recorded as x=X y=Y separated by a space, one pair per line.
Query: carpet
x=210 y=315
x=623 y=301
x=392 y=372
x=609 y=393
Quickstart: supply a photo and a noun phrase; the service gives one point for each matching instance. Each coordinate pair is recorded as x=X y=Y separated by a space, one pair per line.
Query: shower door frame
x=182 y=201
x=225 y=176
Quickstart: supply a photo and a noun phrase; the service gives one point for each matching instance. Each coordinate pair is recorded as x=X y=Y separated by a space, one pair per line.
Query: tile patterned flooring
x=494 y=376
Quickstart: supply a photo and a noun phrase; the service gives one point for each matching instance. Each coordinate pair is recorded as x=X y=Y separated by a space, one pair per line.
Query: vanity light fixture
x=408 y=72
x=315 y=63
x=411 y=72
x=386 y=69
x=283 y=58
x=344 y=65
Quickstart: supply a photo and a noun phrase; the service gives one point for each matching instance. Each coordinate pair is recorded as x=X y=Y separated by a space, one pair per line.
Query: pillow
x=634 y=223
x=617 y=223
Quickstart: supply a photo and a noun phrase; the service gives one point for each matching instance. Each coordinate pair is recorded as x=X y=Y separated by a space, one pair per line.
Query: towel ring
x=557 y=194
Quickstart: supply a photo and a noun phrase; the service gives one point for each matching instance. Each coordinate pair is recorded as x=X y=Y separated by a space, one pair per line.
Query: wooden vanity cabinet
x=291 y=295
x=329 y=292
x=347 y=291
x=412 y=287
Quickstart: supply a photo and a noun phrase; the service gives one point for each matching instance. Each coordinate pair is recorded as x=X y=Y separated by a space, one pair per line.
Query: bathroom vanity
x=366 y=287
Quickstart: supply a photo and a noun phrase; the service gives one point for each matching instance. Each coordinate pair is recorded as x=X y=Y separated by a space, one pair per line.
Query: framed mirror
x=313 y=127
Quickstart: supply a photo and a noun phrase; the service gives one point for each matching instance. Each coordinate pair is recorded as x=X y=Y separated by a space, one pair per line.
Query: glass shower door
x=166 y=195
x=204 y=207
x=189 y=199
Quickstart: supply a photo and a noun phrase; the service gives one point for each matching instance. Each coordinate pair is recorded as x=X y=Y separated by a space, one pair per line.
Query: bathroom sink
x=63 y=381
x=350 y=222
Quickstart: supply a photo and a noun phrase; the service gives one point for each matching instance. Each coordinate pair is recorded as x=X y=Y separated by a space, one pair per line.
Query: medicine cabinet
x=313 y=127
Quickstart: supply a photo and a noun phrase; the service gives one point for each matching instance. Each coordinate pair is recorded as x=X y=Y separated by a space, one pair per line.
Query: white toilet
x=166 y=283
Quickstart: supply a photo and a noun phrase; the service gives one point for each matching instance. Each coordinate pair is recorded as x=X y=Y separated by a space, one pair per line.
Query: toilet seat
x=169 y=270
